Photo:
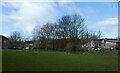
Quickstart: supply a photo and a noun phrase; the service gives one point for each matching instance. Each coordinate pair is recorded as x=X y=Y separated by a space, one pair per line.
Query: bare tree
x=99 y=33
x=77 y=24
x=69 y=28
x=15 y=36
x=15 y=39
x=64 y=24
x=37 y=33
x=43 y=35
x=47 y=30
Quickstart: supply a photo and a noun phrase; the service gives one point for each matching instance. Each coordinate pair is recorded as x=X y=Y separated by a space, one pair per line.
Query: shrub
x=69 y=47
x=117 y=47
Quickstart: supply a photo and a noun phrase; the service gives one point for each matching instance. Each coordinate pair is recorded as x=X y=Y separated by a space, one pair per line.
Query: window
x=99 y=44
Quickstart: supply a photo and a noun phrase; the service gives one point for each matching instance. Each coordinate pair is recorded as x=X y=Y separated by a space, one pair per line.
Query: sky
x=24 y=16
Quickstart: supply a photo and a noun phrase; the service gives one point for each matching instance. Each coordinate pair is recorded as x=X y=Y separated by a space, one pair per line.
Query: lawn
x=29 y=60
x=0 y=60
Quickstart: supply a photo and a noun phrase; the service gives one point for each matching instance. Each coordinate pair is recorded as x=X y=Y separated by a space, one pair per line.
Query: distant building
x=23 y=45
x=96 y=43
x=28 y=44
x=102 y=43
x=3 y=42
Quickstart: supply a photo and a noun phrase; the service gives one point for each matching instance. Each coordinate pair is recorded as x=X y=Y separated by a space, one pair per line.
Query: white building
x=102 y=43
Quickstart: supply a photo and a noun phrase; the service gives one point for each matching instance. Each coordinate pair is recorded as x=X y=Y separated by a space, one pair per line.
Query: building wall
x=3 y=41
x=93 y=44
x=87 y=45
x=100 y=44
x=110 y=45
x=96 y=44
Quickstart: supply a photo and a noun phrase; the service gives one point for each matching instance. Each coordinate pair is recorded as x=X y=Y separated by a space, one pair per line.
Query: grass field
x=28 y=60
x=0 y=60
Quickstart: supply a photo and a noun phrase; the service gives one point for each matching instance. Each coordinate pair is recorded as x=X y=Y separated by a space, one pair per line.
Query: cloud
x=26 y=15
x=60 y=0
x=108 y=26
x=6 y=35
x=68 y=8
x=29 y=14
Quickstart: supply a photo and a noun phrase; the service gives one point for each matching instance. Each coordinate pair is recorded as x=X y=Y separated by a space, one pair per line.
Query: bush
x=72 y=47
x=69 y=46
x=118 y=48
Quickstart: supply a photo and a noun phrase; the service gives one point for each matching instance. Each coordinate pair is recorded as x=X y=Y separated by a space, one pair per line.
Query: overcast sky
x=23 y=16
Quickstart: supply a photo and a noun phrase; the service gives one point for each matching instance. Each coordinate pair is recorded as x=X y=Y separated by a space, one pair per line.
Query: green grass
x=21 y=60
x=0 y=60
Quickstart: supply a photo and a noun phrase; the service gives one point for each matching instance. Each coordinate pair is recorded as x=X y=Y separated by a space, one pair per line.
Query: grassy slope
x=58 y=61
x=0 y=60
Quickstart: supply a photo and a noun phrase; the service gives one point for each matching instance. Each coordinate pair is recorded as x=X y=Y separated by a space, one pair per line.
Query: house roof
x=108 y=40
x=28 y=41
x=3 y=37
x=114 y=41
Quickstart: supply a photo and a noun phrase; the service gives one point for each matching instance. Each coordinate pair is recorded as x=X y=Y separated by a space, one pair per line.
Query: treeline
x=15 y=41
x=68 y=32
